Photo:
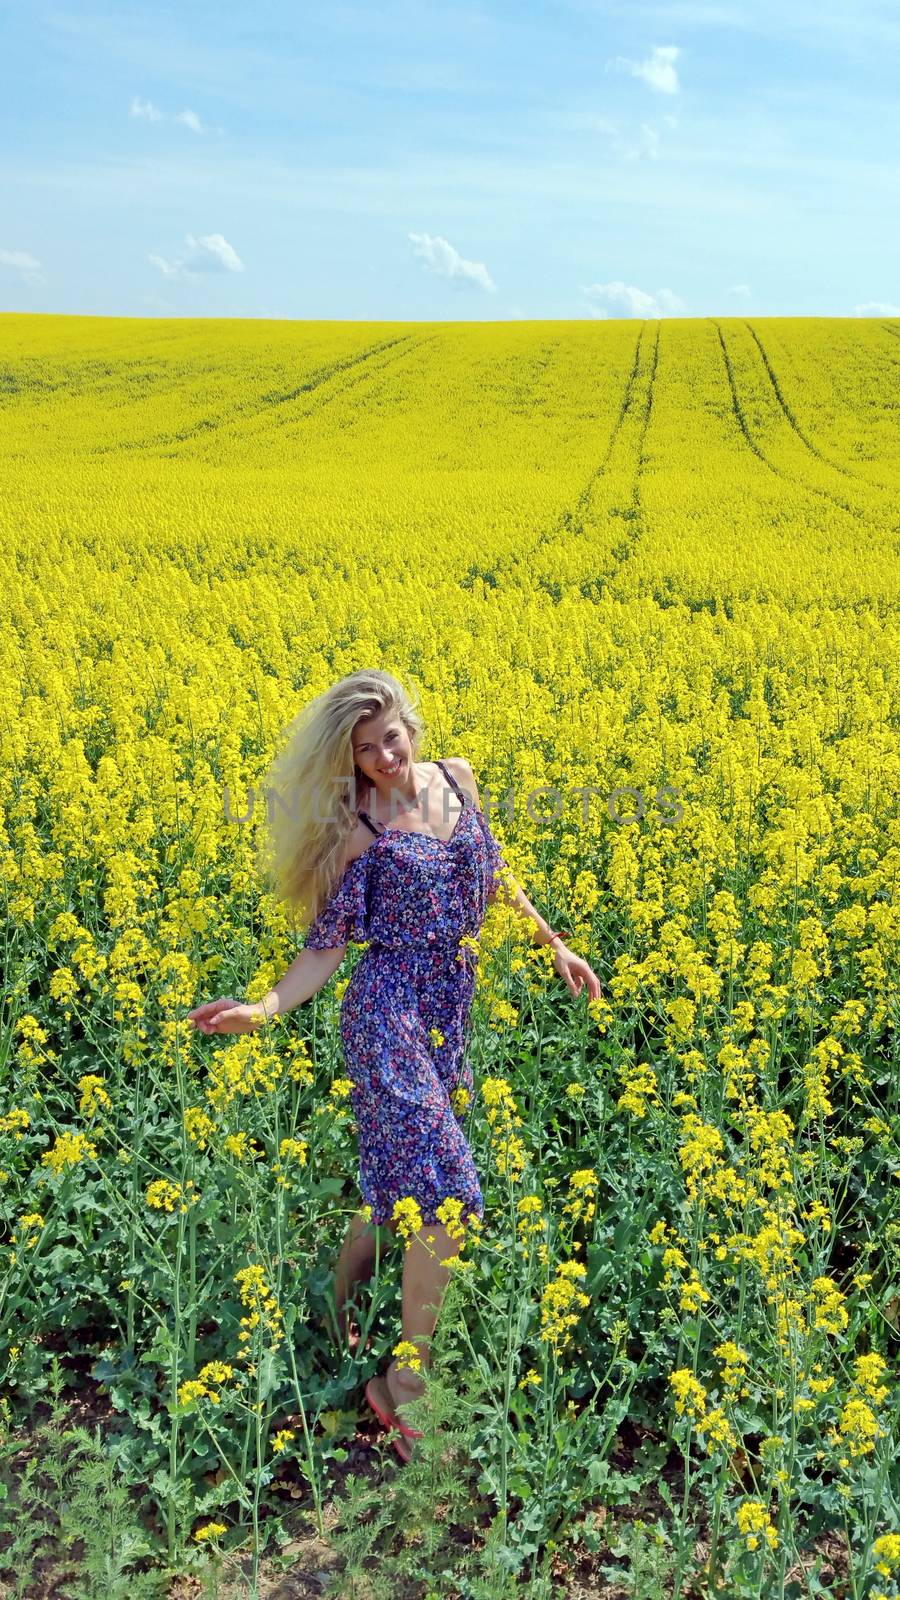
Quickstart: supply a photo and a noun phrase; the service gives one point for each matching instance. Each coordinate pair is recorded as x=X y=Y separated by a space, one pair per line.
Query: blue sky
x=423 y=161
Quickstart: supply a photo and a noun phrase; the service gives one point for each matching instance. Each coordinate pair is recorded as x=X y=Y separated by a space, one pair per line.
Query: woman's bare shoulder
x=459 y=766
x=357 y=842
x=463 y=774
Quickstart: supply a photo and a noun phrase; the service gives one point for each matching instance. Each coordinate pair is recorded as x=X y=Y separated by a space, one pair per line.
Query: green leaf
x=271 y=1369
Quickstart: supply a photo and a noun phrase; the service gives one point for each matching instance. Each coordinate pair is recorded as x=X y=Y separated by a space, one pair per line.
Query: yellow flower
x=734 y=1363
x=503 y=1117
x=559 y=1305
x=886 y=1549
x=26 y=1228
x=869 y=1369
x=583 y=1187
x=408 y=1218
x=14 y=1121
x=859 y=1427
x=674 y=1260
x=829 y=1313
x=714 y=1429
x=640 y=1088
x=531 y=1219
x=190 y=1390
x=68 y=1150
x=692 y=1294
x=211 y=1530
x=407 y=1355
x=215 y=1372
x=165 y=1196
x=690 y=1395
x=264 y=1310
x=753 y=1520
x=295 y=1150
x=240 y=1145
x=449 y=1213
x=198 y=1126
x=93 y=1094
x=818 y=1212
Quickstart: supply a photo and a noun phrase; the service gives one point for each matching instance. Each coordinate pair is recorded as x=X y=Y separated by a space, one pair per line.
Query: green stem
x=504 y=1456
x=310 y=1454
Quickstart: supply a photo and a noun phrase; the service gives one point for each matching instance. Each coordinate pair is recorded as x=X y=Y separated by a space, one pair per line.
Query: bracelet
x=554 y=936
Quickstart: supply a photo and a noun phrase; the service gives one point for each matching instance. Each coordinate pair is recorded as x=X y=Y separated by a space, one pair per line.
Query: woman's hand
x=576 y=971
x=226 y=1016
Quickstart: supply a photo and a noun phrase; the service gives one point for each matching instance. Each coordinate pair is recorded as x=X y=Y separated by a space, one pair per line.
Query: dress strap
x=449 y=775
x=364 y=817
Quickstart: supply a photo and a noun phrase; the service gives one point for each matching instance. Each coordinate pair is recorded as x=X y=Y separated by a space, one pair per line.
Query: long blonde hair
x=303 y=848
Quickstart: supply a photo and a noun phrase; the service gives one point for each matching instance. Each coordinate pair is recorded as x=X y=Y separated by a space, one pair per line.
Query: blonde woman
x=409 y=886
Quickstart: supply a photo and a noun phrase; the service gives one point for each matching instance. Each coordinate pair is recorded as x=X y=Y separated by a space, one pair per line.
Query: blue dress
x=412 y=896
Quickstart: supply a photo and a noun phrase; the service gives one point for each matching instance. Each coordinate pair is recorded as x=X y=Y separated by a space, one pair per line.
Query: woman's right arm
x=304 y=977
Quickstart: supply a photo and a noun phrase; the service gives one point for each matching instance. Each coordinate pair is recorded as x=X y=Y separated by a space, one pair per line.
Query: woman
x=410 y=888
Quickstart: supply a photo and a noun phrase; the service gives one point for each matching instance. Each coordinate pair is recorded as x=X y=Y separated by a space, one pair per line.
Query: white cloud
x=867 y=31
x=876 y=308
x=439 y=256
x=190 y=120
x=627 y=301
x=26 y=265
x=151 y=113
x=632 y=148
x=647 y=145
x=742 y=289
x=146 y=109
x=658 y=71
x=210 y=253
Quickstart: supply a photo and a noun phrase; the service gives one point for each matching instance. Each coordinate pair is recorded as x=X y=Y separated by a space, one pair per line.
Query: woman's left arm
x=570 y=966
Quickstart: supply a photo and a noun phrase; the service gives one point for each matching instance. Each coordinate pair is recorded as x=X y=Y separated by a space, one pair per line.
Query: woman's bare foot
x=403 y=1384
x=387 y=1396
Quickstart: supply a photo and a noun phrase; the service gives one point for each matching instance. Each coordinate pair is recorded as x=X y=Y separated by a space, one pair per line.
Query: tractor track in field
x=788 y=413
x=365 y=371
x=809 y=444
x=348 y=373
x=278 y=398
x=858 y=514
x=622 y=552
x=570 y=519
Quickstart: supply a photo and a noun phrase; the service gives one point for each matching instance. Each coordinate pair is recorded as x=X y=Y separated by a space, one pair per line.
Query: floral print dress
x=411 y=896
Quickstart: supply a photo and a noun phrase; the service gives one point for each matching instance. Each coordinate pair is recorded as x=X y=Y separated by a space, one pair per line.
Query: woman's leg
x=425 y=1281
x=355 y=1265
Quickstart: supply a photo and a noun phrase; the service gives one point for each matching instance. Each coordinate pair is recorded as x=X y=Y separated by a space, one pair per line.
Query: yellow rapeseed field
x=643 y=575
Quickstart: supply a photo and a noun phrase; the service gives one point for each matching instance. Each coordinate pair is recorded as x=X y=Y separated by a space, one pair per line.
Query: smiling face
x=383 y=753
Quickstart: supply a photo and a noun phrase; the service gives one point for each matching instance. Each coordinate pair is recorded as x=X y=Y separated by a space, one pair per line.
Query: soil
x=314 y=1563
